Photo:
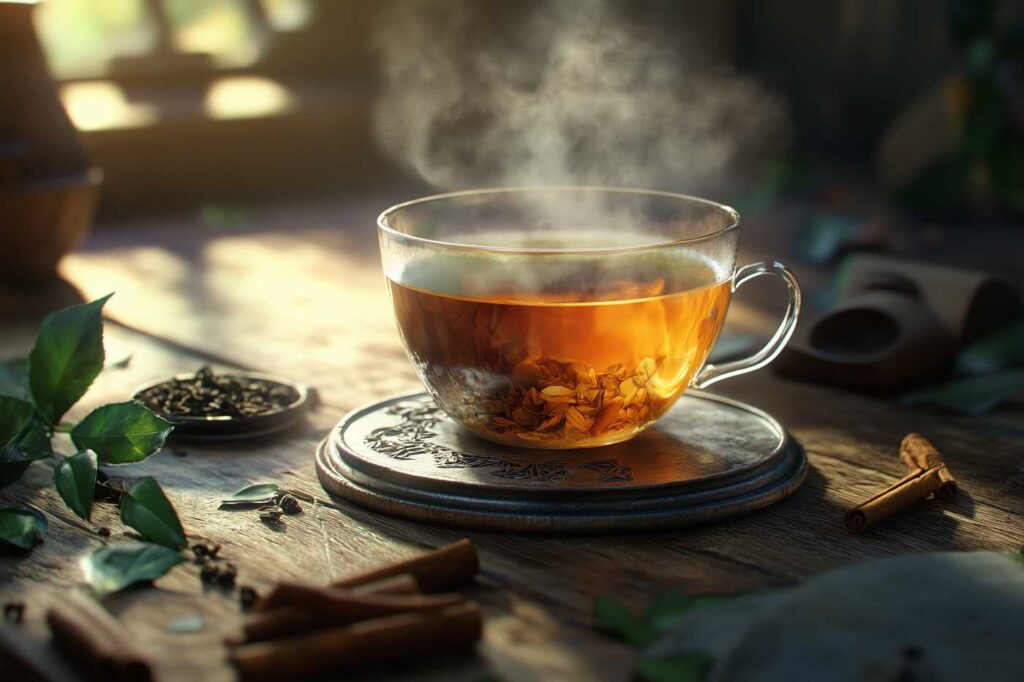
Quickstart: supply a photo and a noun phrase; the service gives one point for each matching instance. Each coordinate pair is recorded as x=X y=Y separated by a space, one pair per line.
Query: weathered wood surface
x=303 y=297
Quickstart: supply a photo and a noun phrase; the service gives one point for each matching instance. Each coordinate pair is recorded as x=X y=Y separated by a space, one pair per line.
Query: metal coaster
x=708 y=458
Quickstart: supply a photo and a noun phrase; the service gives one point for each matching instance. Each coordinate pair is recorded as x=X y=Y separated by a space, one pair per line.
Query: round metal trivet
x=708 y=458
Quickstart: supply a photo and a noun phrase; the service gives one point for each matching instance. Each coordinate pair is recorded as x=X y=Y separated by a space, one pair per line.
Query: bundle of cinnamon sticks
x=927 y=475
x=383 y=615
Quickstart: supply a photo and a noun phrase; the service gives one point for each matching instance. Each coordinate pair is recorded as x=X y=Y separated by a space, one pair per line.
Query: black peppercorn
x=289 y=505
x=14 y=611
x=270 y=515
x=247 y=596
x=209 y=573
x=226 y=577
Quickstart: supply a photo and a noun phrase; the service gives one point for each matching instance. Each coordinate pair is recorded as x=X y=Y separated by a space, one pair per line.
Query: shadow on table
x=30 y=302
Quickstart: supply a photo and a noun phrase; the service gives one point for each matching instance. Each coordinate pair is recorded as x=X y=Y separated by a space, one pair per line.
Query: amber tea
x=577 y=362
x=567 y=317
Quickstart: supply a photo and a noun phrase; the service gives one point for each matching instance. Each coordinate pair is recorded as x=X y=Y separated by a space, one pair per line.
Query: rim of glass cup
x=383 y=226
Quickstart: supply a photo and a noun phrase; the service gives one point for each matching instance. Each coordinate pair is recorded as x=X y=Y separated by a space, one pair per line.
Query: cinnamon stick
x=403 y=583
x=289 y=619
x=25 y=658
x=315 y=608
x=916 y=452
x=436 y=571
x=912 y=488
x=373 y=641
x=94 y=641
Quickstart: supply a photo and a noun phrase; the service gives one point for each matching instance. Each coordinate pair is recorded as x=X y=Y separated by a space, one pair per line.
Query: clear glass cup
x=567 y=317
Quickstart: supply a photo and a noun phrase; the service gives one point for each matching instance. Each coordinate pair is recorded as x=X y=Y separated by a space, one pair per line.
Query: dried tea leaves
x=206 y=394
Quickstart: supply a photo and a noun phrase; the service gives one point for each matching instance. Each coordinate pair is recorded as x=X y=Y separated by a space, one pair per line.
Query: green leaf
x=940 y=187
x=979 y=55
x=695 y=667
x=22 y=439
x=75 y=480
x=14 y=378
x=986 y=117
x=115 y=567
x=32 y=443
x=146 y=509
x=66 y=358
x=258 y=493
x=1007 y=163
x=668 y=607
x=1001 y=349
x=970 y=395
x=15 y=415
x=1018 y=557
x=615 y=619
x=121 y=433
x=22 y=528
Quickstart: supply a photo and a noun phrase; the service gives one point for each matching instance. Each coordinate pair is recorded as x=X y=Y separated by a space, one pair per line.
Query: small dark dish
x=237 y=426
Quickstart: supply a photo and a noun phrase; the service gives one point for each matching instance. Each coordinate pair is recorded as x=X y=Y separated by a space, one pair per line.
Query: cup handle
x=710 y=374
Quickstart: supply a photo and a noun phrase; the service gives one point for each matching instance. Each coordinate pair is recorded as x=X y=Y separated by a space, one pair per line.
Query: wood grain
x=309 y=303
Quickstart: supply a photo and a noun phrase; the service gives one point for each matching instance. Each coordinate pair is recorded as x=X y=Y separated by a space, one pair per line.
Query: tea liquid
x=560 y=359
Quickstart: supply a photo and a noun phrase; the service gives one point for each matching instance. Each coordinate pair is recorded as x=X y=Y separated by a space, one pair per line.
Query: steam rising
x=556 y=93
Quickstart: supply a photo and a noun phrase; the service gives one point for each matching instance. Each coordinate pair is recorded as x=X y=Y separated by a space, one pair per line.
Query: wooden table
x=299 y=293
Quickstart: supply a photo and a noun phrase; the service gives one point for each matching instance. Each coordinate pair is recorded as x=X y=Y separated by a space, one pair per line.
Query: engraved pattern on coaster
x=411 y=438
x=609 y=470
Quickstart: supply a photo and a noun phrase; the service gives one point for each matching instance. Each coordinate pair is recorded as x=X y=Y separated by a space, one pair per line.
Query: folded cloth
x=941 y=616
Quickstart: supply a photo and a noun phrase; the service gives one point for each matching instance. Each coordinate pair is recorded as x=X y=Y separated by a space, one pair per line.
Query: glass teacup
x=566 y=317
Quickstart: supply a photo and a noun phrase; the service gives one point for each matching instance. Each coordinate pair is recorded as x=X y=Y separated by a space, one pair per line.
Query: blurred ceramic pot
x=41 y=220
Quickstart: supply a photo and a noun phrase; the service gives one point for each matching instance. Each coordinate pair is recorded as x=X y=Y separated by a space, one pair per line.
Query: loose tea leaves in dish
x=206 y=394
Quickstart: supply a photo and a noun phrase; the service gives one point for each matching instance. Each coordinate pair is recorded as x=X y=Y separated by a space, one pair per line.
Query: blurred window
x=287 y=15
x=80 y=37
x=219 y=28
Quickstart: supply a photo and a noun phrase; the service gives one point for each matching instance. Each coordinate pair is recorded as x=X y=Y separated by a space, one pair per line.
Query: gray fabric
x=949 y=616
